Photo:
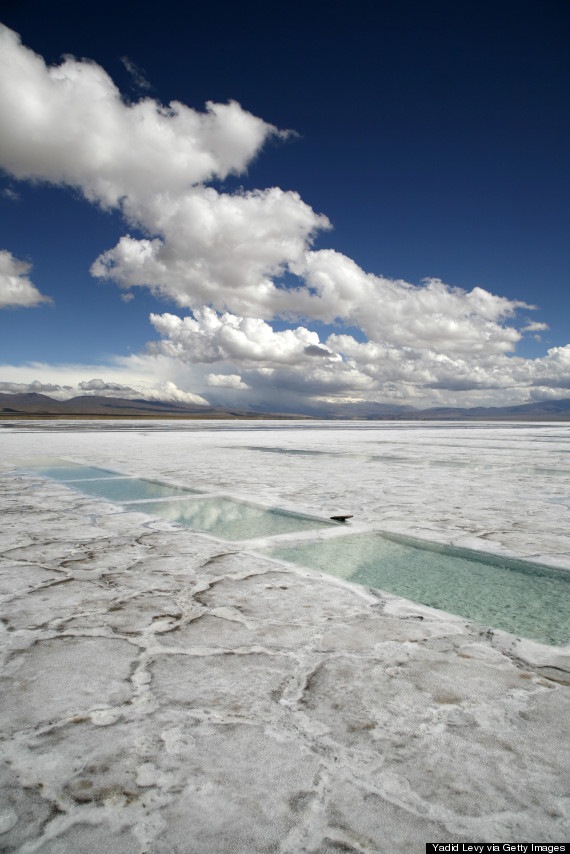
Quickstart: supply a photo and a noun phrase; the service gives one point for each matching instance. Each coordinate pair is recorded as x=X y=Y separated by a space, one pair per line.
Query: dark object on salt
x=341 y=518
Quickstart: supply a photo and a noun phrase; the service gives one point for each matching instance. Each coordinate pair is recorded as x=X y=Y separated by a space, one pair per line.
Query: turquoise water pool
x=221 y=517
x=131 y=489
x=526 y=599
x=232 y=520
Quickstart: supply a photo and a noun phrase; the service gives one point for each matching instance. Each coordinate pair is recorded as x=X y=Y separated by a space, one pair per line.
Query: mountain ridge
x=33 y=404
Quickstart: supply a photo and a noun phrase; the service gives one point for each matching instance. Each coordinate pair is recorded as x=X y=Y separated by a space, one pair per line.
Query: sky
x=287 y=207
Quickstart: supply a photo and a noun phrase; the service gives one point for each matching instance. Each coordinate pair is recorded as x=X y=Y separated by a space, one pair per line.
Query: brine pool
x=218 y=516
x=525 y=599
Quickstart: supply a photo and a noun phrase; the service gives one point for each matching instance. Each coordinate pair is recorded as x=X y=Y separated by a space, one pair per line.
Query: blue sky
x=427 y=142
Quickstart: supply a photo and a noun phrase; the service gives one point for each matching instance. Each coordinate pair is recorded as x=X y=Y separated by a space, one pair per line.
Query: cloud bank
x=166 y=391
x=239 y=262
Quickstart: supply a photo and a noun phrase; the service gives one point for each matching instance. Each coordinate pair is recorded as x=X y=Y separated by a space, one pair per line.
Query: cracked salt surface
x=165 y=693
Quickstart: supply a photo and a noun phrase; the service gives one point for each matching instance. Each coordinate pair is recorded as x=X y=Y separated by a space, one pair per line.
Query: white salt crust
x=166 y=693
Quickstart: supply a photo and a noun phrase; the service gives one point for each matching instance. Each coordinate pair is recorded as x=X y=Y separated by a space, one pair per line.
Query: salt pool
x=232 y=520
x=219 y=516
x=108 y=484
x=131 y=489
x=526 y=599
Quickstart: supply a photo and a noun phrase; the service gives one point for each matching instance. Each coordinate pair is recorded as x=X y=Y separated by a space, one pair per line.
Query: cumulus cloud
x=296 y=363
x=229 y=251
x=36 y=387
x=238 y=261
x=215 y=248
x=432 y=315
x=165 y=391
x=68 y=124
x=226 y=381
x=16 y=289
x=210 y=337
x=102 y=387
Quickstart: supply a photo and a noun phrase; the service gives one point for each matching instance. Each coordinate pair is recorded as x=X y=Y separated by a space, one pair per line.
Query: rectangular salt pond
x=220 y=517
x=527 y=600
x=109 y=484
x=130 y=489
x=230 y=519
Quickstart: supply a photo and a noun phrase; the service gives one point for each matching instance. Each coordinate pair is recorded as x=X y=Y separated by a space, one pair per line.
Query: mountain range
x=97 y=406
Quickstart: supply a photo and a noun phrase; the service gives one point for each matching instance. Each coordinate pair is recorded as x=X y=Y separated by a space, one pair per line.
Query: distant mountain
x=364 y=410
x=85 y=406
x=96 y=406
x=544 y=410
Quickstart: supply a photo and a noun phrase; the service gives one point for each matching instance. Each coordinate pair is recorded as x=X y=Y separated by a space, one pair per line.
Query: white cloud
x=240 y=260
x=511 y=375
x=364 y=372
x=432 y=315
x=295 y=363
x=168 y=391
x=36 y=387
x=9 y=193
x=209 y=337
x=16 y=289
x=101 y=387
x=226 y=381
x=533 y=326
x=137 y=74
x=215 y=248
x=227 y=251
x=68 y=124
x=136 y=378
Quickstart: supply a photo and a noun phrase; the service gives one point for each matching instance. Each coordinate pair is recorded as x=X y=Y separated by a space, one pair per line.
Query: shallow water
x=525 y=599
x=131 y=489
x=232 y=520
x=221 y=517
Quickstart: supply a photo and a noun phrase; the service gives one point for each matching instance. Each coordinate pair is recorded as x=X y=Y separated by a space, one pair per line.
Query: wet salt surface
x=386 y=458
x=163 y=692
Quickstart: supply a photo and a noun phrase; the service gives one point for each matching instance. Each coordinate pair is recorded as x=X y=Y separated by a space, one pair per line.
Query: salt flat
x=169 y=693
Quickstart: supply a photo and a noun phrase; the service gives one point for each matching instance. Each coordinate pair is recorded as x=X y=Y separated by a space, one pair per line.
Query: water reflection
x=231 y=520
x=131 y=489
